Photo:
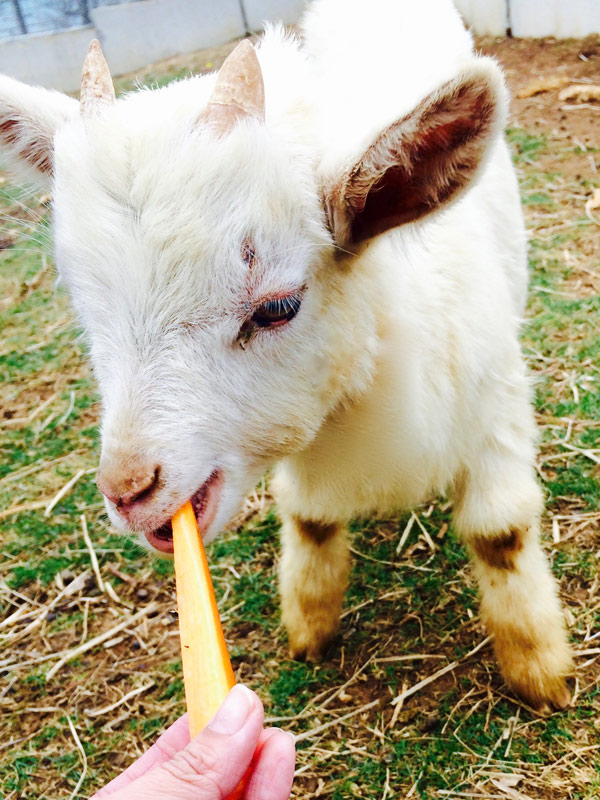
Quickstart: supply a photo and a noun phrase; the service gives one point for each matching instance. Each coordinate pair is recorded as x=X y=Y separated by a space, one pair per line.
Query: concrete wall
x=137 y=33
x=532 y=18
x=258 y=11
x=484 y=16
x=561 y=18
x=132 y=34
x=53 y=60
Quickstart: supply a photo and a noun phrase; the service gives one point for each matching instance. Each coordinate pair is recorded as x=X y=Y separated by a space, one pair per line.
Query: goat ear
x=421 y=162
x=29 y=118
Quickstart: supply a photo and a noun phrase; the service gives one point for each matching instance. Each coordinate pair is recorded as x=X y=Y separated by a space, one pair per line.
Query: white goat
x=329 y=275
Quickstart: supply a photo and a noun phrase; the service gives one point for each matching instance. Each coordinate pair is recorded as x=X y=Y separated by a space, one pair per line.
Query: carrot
x=207 y=672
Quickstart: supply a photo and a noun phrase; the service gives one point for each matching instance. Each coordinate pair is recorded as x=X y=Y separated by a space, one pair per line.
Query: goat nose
x=127 y=482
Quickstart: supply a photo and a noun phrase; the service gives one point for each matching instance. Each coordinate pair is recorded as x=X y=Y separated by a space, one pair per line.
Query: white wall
x=257 y=11
x=137 y=33
x=561 y=18
x=532 y=18
x=53 y=60
x=484 y=16
x=132 y=35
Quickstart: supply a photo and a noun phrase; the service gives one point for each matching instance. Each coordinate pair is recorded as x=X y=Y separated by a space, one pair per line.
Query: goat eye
x=276 y=312
x=270 y=314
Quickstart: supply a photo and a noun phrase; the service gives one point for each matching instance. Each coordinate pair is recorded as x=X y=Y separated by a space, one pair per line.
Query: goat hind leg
x=499 y=520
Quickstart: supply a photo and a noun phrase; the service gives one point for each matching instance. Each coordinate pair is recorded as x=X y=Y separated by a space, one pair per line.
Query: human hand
x=211 y=766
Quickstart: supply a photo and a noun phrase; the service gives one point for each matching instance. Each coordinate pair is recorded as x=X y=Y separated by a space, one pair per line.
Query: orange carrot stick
x=207 y=672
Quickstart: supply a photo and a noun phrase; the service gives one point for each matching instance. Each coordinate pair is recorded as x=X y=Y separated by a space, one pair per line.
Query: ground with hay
x=409 y=701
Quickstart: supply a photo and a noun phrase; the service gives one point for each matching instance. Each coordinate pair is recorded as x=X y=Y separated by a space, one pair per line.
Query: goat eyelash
x=270 y=314
x=276 y=311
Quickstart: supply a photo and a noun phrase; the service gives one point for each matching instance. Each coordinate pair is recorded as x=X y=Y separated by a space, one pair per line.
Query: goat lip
x=205 y=502
x=161 y=539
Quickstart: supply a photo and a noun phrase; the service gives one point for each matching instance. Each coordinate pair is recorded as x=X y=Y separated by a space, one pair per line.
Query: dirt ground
x=463 y=735
x=537 y=71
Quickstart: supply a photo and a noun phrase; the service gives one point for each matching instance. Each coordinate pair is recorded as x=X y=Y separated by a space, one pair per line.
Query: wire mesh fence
x=20 y=17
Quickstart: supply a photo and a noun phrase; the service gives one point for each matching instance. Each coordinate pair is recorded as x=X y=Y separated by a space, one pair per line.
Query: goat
x=314 y=258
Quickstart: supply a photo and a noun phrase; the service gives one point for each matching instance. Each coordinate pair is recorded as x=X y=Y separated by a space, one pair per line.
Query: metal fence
x=132 y=34
x=137 y=32
x=561 y=18
x=20 y=17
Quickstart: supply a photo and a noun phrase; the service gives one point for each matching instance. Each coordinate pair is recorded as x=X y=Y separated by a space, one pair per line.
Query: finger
x=265 y=734
x=166 y=746
x=273 y=771
x=220 y=755
x=212 y=764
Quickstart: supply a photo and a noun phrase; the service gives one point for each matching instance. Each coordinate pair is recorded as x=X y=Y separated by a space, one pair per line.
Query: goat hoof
x=544 y=693
x=558 y=700
x=310 y=650
x=298 y=653
x=535 y=667
x=312 y=655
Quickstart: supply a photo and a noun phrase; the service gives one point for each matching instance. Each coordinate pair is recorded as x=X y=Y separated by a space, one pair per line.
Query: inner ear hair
x=29 y=119
x=421 y=162
x=25 y=144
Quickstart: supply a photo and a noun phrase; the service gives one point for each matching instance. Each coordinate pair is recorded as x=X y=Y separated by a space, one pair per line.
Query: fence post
x=19 y=15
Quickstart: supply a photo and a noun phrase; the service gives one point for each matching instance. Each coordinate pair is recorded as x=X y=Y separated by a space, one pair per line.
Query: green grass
x=451 y=737
x=526 y=147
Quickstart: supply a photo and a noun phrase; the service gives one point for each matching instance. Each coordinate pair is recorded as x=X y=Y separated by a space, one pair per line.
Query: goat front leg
x=313 y=576
x=519 y=601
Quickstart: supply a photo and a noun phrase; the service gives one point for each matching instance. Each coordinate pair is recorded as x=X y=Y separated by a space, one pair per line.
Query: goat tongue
x=165 y=532
x=162 y=538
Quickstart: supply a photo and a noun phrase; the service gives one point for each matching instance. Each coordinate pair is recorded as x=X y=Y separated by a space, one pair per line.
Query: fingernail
x=289 y=733
x=230 y=718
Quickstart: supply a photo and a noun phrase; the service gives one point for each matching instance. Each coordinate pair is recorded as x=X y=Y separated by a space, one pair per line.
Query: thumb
x=213 y=763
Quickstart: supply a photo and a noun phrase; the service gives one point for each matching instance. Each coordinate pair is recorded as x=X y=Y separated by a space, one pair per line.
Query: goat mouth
x=204 y=501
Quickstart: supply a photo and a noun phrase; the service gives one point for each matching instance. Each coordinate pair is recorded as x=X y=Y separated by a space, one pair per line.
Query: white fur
x=401 y=375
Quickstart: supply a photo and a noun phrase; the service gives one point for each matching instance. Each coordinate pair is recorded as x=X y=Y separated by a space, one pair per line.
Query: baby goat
x=314 y=258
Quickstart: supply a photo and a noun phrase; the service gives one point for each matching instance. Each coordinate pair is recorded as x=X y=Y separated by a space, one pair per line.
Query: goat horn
x=239 y=91
x=96 y=84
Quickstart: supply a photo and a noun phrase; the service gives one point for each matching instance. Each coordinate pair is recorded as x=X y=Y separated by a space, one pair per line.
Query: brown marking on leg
x=499 y=551
x=317 y=532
